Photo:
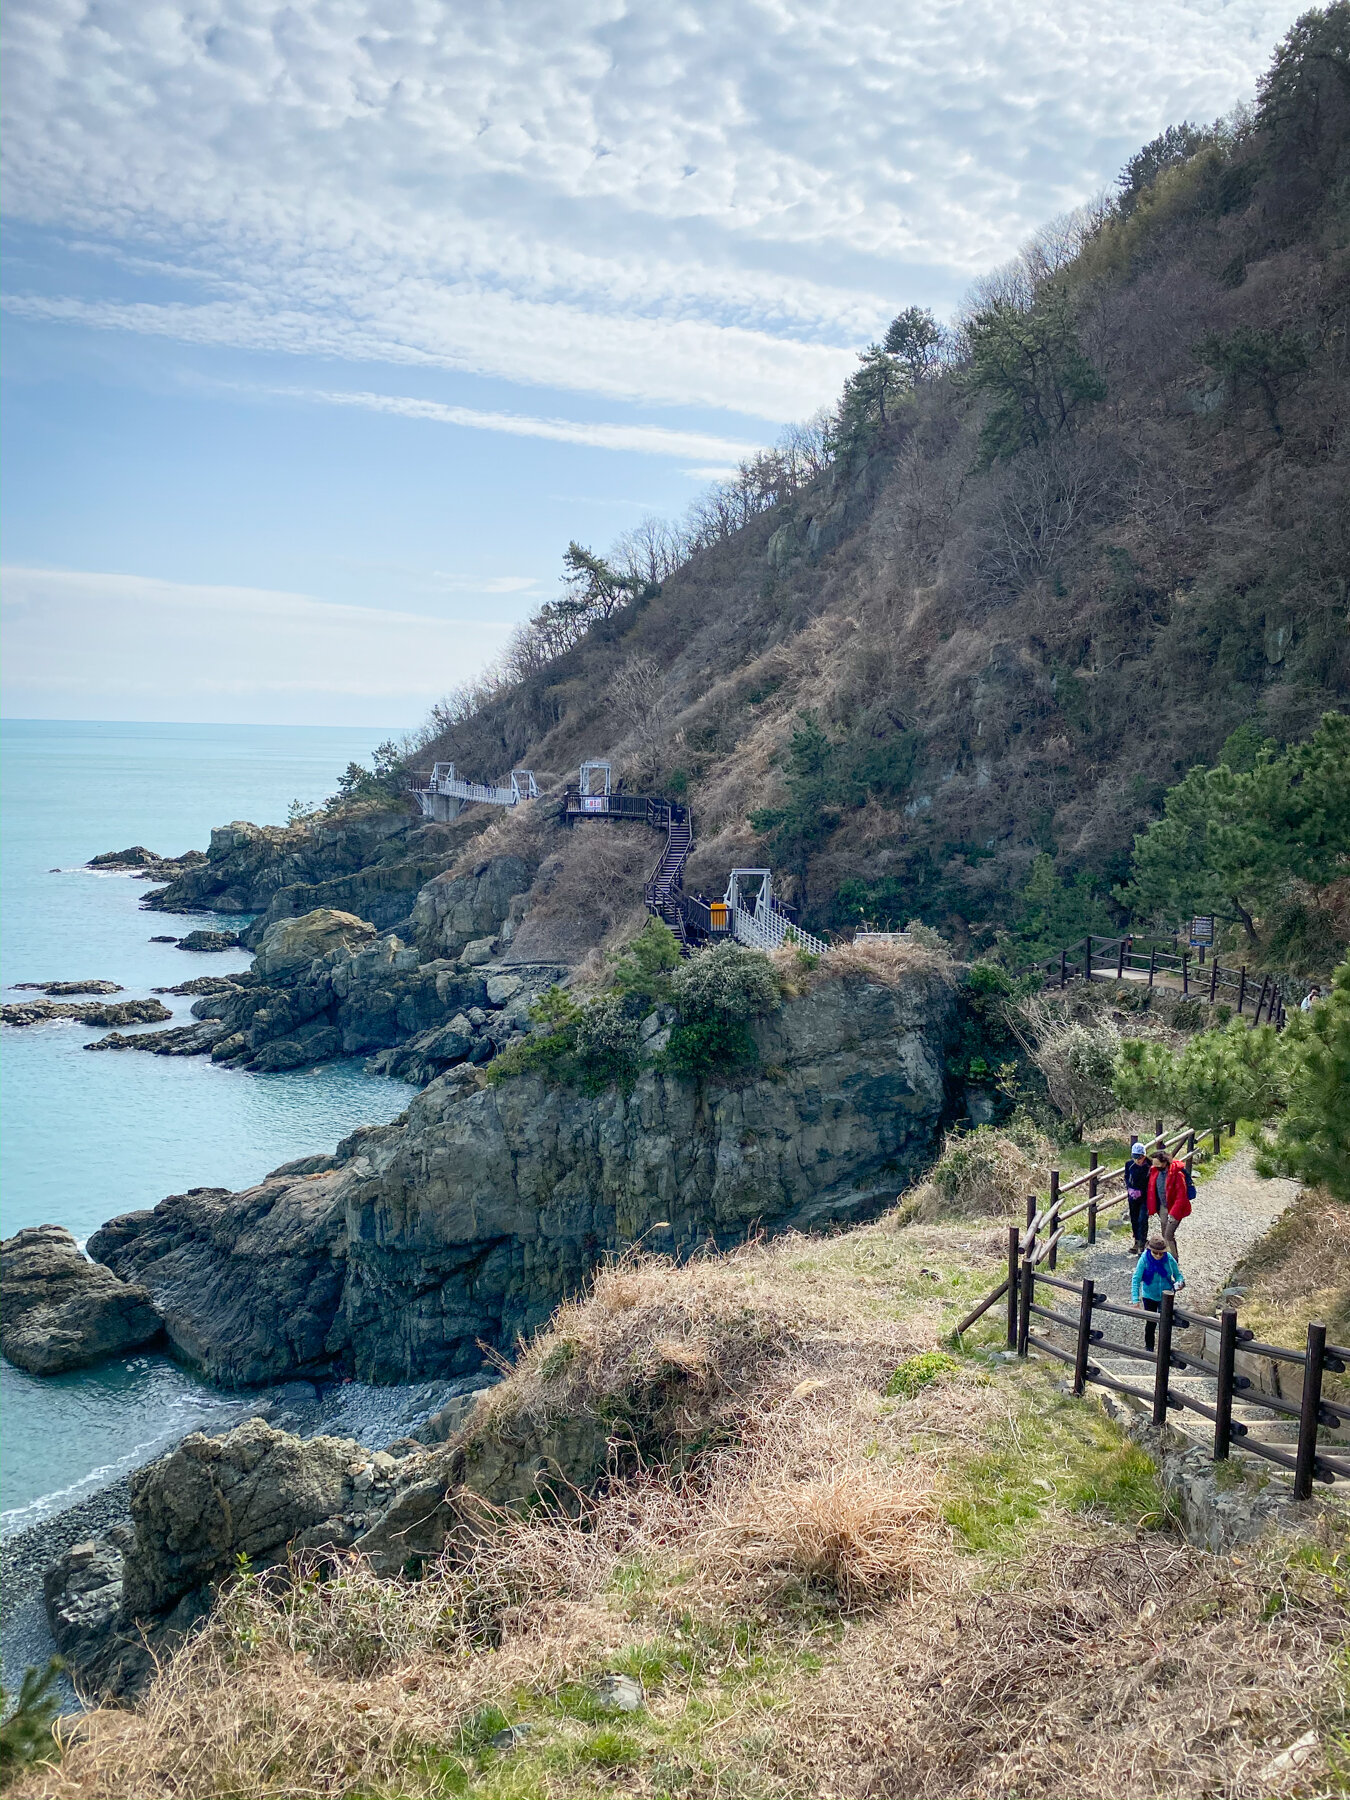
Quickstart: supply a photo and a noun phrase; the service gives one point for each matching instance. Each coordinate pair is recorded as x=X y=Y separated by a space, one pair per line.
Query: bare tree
x=637 y=694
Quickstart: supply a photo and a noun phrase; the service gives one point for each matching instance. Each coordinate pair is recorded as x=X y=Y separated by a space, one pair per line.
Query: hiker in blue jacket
x=1156 y=1273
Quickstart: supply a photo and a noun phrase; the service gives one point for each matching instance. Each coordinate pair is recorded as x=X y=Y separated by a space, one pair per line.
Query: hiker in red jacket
x=1169 y=1195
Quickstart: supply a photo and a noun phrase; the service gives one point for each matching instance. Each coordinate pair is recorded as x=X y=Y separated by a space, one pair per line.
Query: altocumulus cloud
x=93 y=645
x=708 y=204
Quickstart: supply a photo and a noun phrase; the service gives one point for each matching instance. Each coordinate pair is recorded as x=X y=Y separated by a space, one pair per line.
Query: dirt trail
x=1233 y=1208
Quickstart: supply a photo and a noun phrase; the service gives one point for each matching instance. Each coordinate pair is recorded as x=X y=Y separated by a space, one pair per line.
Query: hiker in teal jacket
x=1156 y=1273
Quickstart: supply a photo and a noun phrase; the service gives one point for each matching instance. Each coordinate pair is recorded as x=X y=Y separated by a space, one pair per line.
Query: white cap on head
x=1136 y=1149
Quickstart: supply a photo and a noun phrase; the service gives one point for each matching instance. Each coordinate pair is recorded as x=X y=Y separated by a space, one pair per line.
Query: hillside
x=1034 y=569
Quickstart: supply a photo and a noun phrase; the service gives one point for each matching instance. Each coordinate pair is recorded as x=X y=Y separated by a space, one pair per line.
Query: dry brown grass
x=889 y=961
x=1079 y=1662
x=981 y=1174
x=297 y=1686
x=856 y=1529
x=524 y=831
x=588 y=891
x=699 y=1349
x=1300 y=1271
x=1105 y=1671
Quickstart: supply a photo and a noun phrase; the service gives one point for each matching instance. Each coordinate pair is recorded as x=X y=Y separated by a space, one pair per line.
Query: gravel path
x=1233 y=1208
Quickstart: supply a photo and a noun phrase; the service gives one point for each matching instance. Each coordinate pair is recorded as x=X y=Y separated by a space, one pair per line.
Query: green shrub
x=917 y=1371
x=1057 y=914
x=1312 y=1140
x=591 y=1047
x=644 y=970
x=718 y=992
x=985 y=1048
x=1231 y=1073
x=728 y=983
x=710 y=1047
x=608 y=1044
x=26 y=1735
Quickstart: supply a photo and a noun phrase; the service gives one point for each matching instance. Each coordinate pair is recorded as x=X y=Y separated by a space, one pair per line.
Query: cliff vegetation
x=942 y=653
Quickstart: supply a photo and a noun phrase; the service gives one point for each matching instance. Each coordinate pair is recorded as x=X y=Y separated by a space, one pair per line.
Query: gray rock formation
x=289 y=946
x=59 y=1311
x=93 y=1012
x=137 y=860
x=83 y=1595
x=201 y=984
x=64 y=989
x=470 y=1218
x=179 y=1040
x=325 y=985
x=249 y=1493
x=116 y=1601
x=211 y=940
x=452 y=912
x=383 y=891
x=247 y=867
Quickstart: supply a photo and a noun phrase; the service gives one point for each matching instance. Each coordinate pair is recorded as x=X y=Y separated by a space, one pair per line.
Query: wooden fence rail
x=1116 y=959
x=1029 y=1293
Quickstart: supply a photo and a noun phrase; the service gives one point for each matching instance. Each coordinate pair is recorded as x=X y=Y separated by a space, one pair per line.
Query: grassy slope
x=954 y=1581
x=1186 y=578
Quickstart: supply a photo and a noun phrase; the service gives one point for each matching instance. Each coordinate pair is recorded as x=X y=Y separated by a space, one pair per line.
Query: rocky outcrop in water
x=95 y=1012
x=59 y=1311
x=211 y=940
x=179 y=1040
x=57 y=989
x=326 y=985
x=369 y=862
x=470 y=1218
x=201 y=984
x=137 y=860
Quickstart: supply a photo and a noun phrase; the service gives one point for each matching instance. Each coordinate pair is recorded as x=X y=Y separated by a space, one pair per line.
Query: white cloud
x=707 y=204
x=643 y=440
x=97 y=645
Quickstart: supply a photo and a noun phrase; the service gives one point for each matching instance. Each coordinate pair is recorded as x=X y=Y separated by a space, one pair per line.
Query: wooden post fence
x=1223 y=1403
x=1031 y=1254
x=1052 y=1217
x=1309 y=1411
x=1163 y=1354
x=1092 y=1200
x=1084 y=1344
x=1014 y=1247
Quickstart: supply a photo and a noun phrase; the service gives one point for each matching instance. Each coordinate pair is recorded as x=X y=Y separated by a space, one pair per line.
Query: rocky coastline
x=416 y=1251
x=40 y=1572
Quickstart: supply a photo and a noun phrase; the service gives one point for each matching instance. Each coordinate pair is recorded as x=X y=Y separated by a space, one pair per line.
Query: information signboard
x=1202 y=930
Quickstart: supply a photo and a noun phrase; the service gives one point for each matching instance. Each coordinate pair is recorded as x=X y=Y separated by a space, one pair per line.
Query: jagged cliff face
x=473 y=1216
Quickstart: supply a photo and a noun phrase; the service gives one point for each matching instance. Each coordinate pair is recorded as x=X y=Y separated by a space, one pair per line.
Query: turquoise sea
x=84 y=1136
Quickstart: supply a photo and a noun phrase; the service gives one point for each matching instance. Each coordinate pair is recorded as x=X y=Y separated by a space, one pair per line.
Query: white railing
x=444 y=781
x=770 y=931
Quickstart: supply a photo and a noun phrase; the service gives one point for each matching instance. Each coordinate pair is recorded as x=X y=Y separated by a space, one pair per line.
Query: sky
x=328 y=324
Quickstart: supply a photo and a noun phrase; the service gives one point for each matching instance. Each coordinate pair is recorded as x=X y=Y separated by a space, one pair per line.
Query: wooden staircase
x=1251 y=1424
x=664 y=890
